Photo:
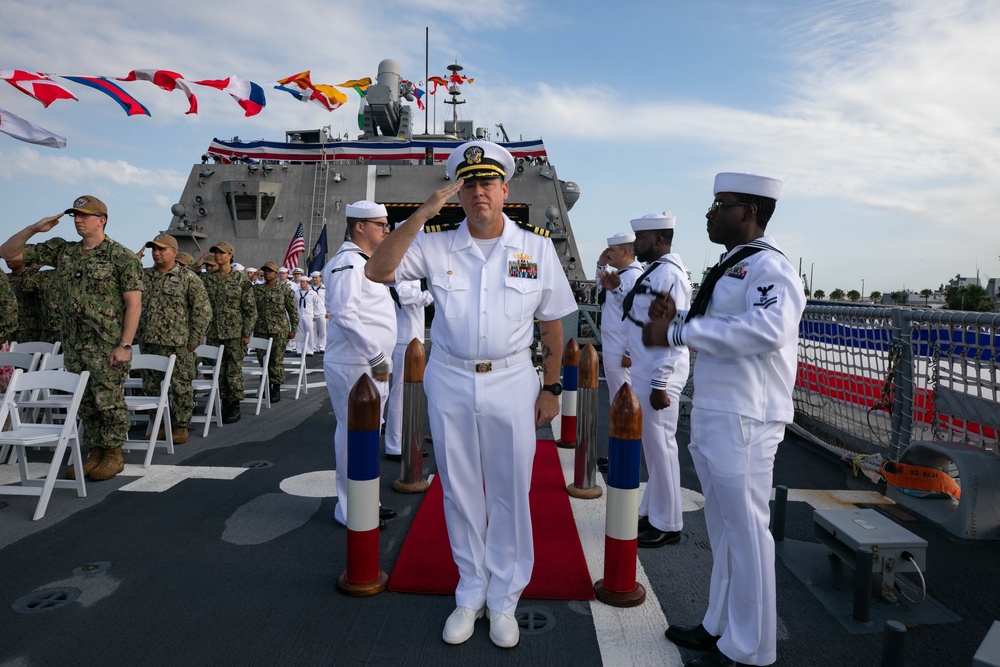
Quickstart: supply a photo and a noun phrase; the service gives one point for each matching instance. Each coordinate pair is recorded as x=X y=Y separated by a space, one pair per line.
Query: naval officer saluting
x=490 y=278
x=362 y=330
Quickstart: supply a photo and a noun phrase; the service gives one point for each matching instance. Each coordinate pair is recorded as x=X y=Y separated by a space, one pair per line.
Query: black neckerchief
x=704 y=297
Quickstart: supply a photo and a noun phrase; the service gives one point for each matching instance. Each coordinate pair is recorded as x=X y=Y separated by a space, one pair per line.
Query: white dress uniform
x=308 y=303
x=319 y=330
x=409 y=325
x=362 y=335
x=481 y=390
x=614 y=332
x=658 y=368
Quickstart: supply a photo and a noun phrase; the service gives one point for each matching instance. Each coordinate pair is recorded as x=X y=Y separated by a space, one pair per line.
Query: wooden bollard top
x=589 y=366
x=414 y=361
x=626 y=415
x=364 y=405
x=571 y=353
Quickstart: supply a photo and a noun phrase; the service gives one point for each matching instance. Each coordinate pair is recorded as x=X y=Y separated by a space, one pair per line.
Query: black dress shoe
x=386 y=513
x=602 y=464
x=654 y=537
x=714 y=658
x=381 y=524
x=393 y=457
x=644 y=524
x=692 y=636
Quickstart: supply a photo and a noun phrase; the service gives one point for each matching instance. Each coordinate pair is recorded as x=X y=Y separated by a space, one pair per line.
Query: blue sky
x=880 y=116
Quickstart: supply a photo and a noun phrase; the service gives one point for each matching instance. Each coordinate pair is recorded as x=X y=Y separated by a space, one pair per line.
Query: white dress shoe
x=459 y=626
x=503 y=629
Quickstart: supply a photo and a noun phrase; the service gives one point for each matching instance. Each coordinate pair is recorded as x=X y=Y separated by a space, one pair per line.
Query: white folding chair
x=157 y=407
x=43 y=405
x=206 y=385
x=255 y=372
x=296 y=365
x=52 y=361
x=26 y=362
x=31 y=347
x=58 y=437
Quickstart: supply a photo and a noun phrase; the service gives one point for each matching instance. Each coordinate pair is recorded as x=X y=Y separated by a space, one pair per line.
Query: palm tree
x=837 y=294
x=897 y=297
x=854 y=295
x=926 y=293
x=875 y=296
x=819 y=294
x=971 y=298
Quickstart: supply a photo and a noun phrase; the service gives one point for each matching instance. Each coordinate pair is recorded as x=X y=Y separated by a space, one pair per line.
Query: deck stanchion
x=892 y=644
x=780 y=503
x=619 y=588
x=411 y=473
x=363 y=576
x=571 y=362
x=585 y=463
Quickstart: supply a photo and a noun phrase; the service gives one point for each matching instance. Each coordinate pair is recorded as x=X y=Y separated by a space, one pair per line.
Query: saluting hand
x=46 y=224
x=436 y=201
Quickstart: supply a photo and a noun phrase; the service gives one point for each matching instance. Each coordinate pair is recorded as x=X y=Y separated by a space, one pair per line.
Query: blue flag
x=317 y=256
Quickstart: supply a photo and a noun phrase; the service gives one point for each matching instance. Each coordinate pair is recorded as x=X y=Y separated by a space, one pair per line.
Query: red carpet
x=425 y=564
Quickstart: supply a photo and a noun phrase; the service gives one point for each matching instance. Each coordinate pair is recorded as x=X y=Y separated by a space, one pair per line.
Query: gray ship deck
x=202 y=571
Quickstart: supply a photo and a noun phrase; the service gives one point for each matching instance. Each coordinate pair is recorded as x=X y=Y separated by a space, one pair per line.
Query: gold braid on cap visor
x=482 y=170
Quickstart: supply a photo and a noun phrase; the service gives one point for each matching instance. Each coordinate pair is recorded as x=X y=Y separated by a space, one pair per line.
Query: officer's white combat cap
x=747 y=184
x=297 y=270
x=480 y=159
x=654 y=222
x=366 y=210
x=621 y=238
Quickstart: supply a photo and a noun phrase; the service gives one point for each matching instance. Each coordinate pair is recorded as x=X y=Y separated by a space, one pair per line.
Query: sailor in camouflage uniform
x=100 y=281
x=234 y=313
x=28 y=309
x=8 y=310
x=175 y=317
x=277 y=319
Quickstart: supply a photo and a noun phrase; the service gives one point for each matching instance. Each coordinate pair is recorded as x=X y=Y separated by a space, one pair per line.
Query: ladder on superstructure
x=318 y=220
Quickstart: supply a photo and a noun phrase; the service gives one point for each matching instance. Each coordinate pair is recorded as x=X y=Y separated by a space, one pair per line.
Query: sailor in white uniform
x=490 y=277
x=744 y=325
x=617 y=259
x=322 y=318
x=658 y=376
x=307 y=301
x=362 y=329
x=410 y=304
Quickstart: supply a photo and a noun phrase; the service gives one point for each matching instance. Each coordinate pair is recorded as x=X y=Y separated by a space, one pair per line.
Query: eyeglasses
x=383 y=225
x=716 y=205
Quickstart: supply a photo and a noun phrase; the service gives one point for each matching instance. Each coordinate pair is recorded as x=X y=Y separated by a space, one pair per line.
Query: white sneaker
x=504 y=630
x=459 y=626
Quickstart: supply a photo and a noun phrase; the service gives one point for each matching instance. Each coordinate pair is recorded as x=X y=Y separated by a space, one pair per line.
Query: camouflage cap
x=88 y=205
x=210 y=261
x=163 y=241
x=184 y=259
x=269 y=266
x=222 y=246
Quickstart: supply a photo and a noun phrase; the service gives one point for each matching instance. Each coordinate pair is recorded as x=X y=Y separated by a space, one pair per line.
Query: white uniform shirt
x=309 y=307
x=321 y=293
x=485 y=307
x=666 y=367
x=362 y=314
x=748 y=340
x=614 y=332
x=410 y=313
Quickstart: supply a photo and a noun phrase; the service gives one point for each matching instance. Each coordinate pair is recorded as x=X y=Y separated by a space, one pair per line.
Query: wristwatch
x=125 y=345
x=555 y=388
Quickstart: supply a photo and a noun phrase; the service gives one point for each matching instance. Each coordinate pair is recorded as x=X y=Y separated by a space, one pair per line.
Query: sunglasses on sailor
x=716 y=205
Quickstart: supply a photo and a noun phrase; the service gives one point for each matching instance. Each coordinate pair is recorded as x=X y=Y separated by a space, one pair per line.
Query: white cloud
x=27 y=163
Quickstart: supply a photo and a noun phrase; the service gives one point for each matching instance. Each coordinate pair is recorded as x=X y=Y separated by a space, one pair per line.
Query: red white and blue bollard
x=363 y=576
x=621 y=530
x=571 y=372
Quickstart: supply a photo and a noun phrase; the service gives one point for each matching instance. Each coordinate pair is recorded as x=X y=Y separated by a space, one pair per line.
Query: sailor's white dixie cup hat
x=366 y=210
x=747 y=184
x=480 y=159
x=654 y=222
x=621 y=238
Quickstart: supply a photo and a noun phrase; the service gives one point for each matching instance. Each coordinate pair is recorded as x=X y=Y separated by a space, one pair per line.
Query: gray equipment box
x=846 y=531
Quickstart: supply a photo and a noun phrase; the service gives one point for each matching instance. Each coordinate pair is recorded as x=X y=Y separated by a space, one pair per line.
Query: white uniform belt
x=521 y=357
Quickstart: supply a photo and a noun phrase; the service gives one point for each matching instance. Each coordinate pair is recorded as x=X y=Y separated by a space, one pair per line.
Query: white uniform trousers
x=661 y=500
x=319 y=332
x=484 y=443
x=734 y=458
x=394 y=411
x=615 y=375
x=340 y=379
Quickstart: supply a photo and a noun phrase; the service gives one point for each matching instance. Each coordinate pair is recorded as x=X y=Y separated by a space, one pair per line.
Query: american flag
x=295 y=250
